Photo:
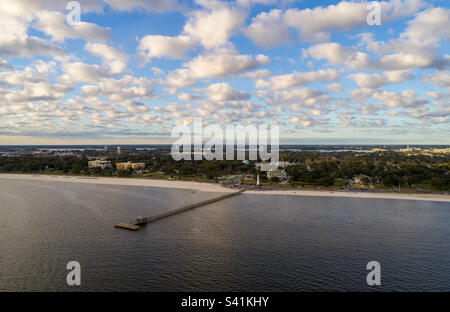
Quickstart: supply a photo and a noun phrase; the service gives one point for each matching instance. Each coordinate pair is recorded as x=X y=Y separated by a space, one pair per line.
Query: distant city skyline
x=130 y=70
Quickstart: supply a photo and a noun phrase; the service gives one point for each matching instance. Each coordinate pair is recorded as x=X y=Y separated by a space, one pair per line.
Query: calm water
x=246 y=243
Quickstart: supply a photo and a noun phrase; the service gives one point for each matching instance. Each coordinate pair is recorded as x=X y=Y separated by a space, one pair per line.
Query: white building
x=280 y=174
x=361 y=179
x=99 y=163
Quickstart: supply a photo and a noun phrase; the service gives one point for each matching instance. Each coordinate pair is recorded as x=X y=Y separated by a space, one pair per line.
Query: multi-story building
x=280 y=174
x=99 y=163
x=128 y=165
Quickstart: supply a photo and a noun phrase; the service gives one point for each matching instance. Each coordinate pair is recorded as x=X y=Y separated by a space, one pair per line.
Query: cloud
x=81 y=72
x=297 y=78
x=317 y=23
x=149 y=5
x=14 y=39
x=180 y=78
x=4 y=66
x=355 y=122
x=53 y=23
x=336 y=54
x=215 y=24
x=418 y=45
x=258 y=74
x=114 y=59
x=374 y=81
x=188 y=97
x=217 y=64
x=211 y=27
x=40 y=91
x=29 y=75
x=300 y=98
x=336 y=87
x=393 y=100
x=312 y=24
x=224 y=92
x=51 y=85
x=439 y=79
x=427 y=28
x=162 y=46
x=119 y=90
x=267 y=29
x=247 y=3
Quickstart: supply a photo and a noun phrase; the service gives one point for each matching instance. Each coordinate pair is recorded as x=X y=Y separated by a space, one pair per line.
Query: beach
x=218 y=188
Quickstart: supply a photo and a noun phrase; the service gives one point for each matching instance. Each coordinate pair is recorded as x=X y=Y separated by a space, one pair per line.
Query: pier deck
x=127 y=226
x=143 y=221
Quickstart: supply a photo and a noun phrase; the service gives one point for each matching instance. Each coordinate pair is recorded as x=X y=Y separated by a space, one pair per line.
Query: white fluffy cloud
x=336 y=87
x=267 y=29
x=440 y=79
x=217 y=64
x=53 y=24
x=374 y=81
x=300 y=97
x=215 y=24
x=317 y=23
x=114 y=59
x=222 y=63
x=81 y=72
x=162 y=46
x=14 y=38
x=417 y=46
x=406 y=98
x=224 y=92
x=119 y=90
x=93 y=88
x=336 y=54
x=280 y=82
x=150 y=5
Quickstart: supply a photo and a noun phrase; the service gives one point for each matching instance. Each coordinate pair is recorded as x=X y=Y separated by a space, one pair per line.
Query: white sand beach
x=212 y=187
x=324 y=193
x=204 y=187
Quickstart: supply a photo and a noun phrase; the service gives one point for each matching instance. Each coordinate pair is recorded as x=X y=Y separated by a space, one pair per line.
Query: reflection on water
x=245 y=243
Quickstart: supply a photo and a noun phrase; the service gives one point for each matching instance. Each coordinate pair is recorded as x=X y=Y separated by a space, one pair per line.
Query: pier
x=143 y=221
x=126 y=226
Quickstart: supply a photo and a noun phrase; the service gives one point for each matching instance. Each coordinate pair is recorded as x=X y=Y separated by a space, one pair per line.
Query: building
x=99 y=163
x=361 y=179
x=128 y=165
x=376 y=149
x=441 y=150
x=280 y=174
x=267 y=166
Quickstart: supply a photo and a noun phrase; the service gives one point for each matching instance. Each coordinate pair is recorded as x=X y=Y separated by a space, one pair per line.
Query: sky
x=130 y=70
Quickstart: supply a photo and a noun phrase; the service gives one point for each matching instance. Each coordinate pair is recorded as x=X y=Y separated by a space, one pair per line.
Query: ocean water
x=245 y=243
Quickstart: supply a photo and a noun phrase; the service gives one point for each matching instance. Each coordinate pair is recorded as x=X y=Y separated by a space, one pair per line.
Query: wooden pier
x=127 y=226
x=142 y=221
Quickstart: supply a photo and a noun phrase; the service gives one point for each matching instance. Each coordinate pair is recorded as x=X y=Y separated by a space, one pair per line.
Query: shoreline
x=218 y=188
